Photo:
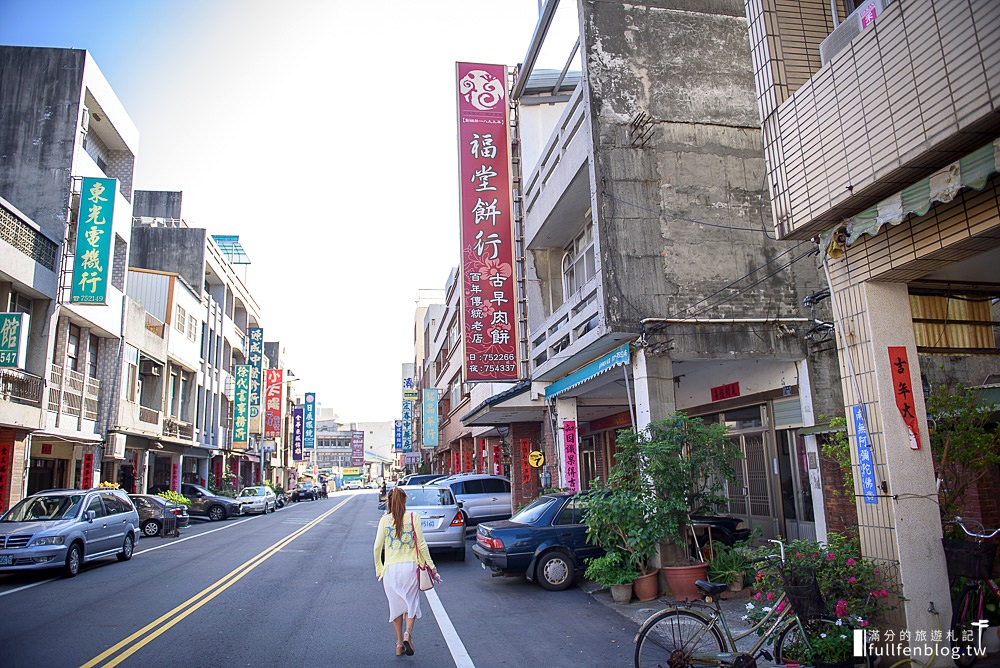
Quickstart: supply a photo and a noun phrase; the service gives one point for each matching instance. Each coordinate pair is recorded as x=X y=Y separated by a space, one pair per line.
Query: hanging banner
x=273 y=391
x=429 y=415
x=6 y=464
x=309 y=418
x=241 y=406
x=467 y=459
x=525 y=464
x=357 y=448
x=497 y=459
x=13 y=339
x=866 y=463
x=297 y=429
x=489 y=304
x=569 y=455
x=87 y=474
x=92 y=264
x=255 y=356
x=398 y=433
x=457 y=462
x=902 y=389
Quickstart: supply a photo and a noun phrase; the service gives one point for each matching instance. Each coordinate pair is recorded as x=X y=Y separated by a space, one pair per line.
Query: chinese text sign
x=902 y=389
x=569 y=455
x=273 y=391
x=309 y=418
x=429 y=415
x=91 y=267
x=297 y=429
x=241 y=406
x=489 y=296
x=866 y=463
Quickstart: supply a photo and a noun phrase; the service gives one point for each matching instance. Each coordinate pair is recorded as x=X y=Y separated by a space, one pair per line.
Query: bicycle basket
x=802 y=592
x=969 y=559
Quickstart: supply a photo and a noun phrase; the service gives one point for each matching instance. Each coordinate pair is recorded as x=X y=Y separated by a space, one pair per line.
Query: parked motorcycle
x=282 y=500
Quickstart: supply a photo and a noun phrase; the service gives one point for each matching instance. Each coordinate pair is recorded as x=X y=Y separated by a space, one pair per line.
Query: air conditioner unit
x=850 y=28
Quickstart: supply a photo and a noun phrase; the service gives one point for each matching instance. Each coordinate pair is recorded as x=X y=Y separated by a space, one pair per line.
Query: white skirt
x=401 y=590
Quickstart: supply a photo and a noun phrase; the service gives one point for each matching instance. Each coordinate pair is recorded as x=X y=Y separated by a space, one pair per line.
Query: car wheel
x=73 y=560
x=128 y=547
x=150 y=528
x=216 y=513
x=554 y=571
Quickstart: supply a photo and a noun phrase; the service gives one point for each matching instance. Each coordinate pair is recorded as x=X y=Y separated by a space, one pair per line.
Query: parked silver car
x=67 y=528
x=259 y=499
x=484 y=497
x=441 y=517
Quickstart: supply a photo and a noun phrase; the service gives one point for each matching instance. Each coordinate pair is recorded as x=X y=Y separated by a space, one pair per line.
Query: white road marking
x=27 y=586
x=455 y=645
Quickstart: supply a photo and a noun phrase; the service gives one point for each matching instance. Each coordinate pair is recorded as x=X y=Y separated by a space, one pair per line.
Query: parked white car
x=259 y=499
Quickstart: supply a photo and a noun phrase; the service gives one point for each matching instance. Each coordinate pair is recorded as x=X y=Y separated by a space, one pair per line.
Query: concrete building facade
x=53 y=136
x=880 y=125
x=652 y=283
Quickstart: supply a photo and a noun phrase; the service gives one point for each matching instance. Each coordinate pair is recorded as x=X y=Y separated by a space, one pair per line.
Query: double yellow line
x=158 y=627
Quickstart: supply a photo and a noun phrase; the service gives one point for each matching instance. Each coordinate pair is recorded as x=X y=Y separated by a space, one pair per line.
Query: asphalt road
x=293 y=588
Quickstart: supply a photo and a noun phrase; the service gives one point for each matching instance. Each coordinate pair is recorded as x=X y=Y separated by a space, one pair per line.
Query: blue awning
x=617 y=357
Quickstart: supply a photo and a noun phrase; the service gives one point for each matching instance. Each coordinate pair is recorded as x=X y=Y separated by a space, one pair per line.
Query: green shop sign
x=93 y=241
x=13 y=339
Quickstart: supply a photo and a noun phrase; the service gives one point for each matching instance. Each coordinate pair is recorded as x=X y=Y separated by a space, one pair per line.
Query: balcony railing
x=148 y=415
x=73 y=393
x=21 y=387
x=177 y=429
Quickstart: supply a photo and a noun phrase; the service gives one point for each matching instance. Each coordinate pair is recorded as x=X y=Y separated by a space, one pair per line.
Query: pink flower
x=841 y=608
x=798 y=554
x=875 y=571
x=781 y=606
x=850 y=561
x=852 y=579
x=830 y=557
x=770 y=595
x=757 y=596
x=884 y=594
x=863 y=623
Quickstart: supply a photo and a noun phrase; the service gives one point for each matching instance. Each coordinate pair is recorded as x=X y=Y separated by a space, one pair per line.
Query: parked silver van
x=483 y=497
x=67 y=528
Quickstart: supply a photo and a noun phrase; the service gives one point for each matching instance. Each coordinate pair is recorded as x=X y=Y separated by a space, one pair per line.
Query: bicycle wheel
x=790 y=647
x=968 y=609
x=677 y=639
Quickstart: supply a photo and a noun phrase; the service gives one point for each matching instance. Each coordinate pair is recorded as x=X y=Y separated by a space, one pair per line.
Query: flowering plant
x=109 y=485
x=831 y=588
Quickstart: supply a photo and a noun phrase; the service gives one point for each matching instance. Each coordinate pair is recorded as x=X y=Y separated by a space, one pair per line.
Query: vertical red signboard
x=175 y=483
x=6 y=462
x=525 y=464
x=457 y=463
x=569 y=455
x=489 y=299
x=272 y=403
x=902 y=388
x=87 y=475
x=467 y=456
x=497 y=460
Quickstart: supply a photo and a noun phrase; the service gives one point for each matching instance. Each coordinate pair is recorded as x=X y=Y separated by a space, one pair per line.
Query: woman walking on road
x=399 y=533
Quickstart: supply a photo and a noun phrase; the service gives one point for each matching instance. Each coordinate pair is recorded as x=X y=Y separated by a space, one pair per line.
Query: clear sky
x=322 y=132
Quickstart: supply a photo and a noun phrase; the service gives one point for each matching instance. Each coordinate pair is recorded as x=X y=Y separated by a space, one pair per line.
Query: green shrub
x=174 y=497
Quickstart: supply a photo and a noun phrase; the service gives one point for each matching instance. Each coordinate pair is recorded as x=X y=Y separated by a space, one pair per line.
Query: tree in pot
x=663 y=474
x=612 y=570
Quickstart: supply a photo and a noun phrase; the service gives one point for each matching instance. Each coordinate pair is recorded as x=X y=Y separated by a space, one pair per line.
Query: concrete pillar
x=565 y=410
x=654 y=388
x=812 y=449
x=904 y=525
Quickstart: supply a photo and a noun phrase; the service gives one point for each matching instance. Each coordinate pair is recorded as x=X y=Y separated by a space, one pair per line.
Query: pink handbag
x=426 y=575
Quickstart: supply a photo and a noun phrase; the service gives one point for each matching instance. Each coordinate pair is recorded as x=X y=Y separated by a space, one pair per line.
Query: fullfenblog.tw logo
x=920 y=644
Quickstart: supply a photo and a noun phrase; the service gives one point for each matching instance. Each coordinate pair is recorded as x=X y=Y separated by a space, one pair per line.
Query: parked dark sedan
x=305 y=490
x=156 y=514
x=546 y=541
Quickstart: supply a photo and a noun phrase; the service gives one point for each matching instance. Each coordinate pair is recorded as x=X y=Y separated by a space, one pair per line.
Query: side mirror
x=91 y=515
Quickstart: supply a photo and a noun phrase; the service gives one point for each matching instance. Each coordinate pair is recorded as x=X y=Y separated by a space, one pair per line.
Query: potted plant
x=964 y=445
x=662 y=475
x=612 y=570
x=728 y=565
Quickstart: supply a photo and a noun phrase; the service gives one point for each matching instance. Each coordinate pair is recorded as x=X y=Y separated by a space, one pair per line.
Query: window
x=96 y=505
x=93 y=350
x=73 y=348
x=496 y=486
x=131 y=372
x=181 y=319
x=18 y=303
x=453 y=335
x=578 y=264
x=192 y=328
x=182 y=412
x=473 y=487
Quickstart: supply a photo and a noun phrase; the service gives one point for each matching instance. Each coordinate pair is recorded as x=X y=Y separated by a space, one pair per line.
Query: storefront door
x=796 y=494
x=750 y=493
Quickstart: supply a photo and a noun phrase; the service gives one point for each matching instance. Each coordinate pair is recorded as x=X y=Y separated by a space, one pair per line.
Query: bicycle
x=696 y=634
x=968 y=611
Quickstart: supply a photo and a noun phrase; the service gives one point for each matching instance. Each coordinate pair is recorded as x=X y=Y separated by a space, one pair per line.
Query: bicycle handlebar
x=982 y=536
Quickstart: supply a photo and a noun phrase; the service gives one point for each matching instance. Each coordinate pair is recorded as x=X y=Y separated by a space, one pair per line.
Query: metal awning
x=618 y=357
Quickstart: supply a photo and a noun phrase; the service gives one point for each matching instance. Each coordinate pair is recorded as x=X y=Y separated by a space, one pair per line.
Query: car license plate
x=427 y=524
x=6 y=559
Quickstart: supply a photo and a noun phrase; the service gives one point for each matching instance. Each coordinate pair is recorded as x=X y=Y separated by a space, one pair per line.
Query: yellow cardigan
x=399 y=550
